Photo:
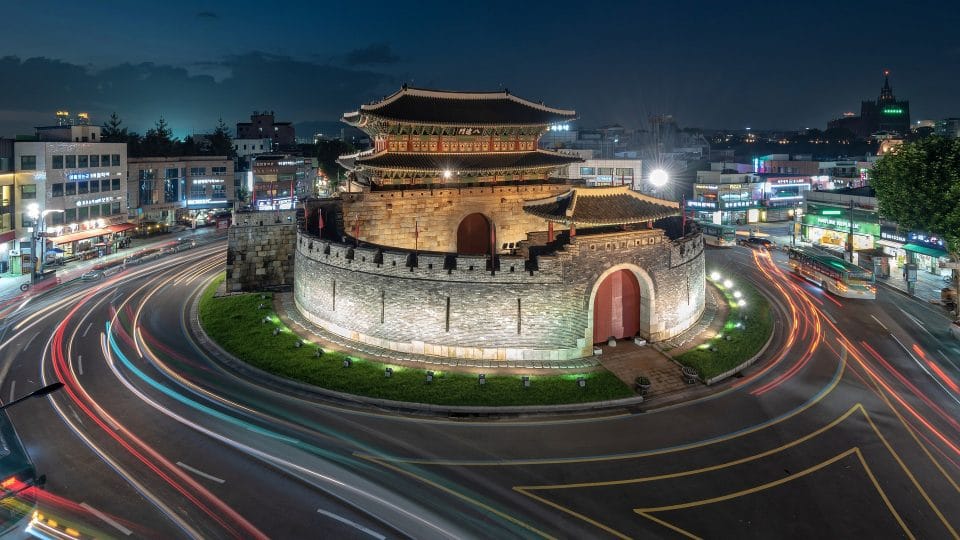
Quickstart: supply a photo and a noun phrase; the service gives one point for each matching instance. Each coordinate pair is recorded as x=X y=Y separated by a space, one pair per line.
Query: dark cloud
x=207 y=15
x=297 y=90
x=376 y=54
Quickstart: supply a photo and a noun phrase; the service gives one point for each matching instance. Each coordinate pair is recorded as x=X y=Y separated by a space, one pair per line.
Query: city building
x=948 y=128
x=77 y=183
x=8 y=225
x=276 y=181
x=886 y=114
x=461 y=241
x=244 y=148
x=263 y=126
x=826 y=222
x=183 y=189
x=604 y=172
x=726 y=196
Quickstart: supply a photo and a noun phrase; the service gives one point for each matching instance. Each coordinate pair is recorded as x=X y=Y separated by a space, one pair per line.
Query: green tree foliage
x=221 y=140
x=919 y=187
x=327 y=153
x=113 y=130
x=158 y=141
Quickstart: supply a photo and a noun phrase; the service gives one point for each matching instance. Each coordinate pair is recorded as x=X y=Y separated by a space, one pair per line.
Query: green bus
x=718 y=235
x=833 y=274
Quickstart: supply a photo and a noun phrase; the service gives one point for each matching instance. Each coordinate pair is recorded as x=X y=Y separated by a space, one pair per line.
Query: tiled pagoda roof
x=463 y=162
x=434 y=107
x=585 y=206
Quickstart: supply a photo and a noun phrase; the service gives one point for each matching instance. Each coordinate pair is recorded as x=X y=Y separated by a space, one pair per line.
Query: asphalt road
x=847 y=428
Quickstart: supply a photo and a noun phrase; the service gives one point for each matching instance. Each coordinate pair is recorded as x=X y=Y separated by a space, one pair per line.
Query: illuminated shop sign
x=701 y=204
x=738 y=204
x=794 y=181
x=923 y=238
x=197 y=201
x=101 y=200
x=894 y=236
x=274 y=204
x=87 y=176
x=202 y=181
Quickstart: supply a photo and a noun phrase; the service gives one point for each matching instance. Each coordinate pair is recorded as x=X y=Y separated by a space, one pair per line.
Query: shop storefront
x=927 y=251
x=830 y=228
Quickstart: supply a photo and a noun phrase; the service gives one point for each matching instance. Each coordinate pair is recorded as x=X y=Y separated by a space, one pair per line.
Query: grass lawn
x=235 y=322
x=747 y=336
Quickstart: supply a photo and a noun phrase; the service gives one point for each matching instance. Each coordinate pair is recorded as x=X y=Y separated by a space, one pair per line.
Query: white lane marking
x=107 y=519
x=13 y=389
x=80 y=364
x=915 y=320
x=198 y=472
x=87 y=329
x=21 y=306
x=827 y=315
x=357 y=526
x=925 y=370
x=27 y=346
x=880 y=323
x=943 y=355
x=76 y=415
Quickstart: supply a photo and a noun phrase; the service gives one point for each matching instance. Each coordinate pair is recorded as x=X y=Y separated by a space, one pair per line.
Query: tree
x=113 y=130
x=158 y=140
x=222 y=141
x=327 y=153
x=918 y=186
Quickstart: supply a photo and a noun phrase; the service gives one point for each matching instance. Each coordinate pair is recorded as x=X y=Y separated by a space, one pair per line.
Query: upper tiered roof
x=463 y=162
x=598 y=206
x=436 y=107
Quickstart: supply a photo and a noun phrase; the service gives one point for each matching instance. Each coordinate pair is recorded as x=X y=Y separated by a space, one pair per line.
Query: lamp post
x=36 y=393
x=39 y=242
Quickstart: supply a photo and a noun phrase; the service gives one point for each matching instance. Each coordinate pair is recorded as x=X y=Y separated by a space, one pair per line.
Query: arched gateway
x=616 y=307
x=474 y=235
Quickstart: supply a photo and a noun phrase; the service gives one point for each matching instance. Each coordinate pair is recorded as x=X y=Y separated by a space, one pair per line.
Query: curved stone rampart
x=453 y=305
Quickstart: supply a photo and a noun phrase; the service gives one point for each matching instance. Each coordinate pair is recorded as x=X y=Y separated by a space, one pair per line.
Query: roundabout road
x=846 y=428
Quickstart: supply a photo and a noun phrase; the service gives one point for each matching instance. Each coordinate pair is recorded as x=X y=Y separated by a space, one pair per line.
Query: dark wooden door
x=474 y=235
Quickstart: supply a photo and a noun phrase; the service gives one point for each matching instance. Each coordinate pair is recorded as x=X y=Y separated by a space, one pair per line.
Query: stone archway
x=475 y=235
x=616 y=306
x=649 y=323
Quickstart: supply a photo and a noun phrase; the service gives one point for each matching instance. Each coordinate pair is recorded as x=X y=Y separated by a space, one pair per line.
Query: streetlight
x=658 y=178
x=39 y=228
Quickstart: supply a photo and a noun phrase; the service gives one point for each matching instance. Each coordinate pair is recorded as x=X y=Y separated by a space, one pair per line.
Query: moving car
x=757 y=243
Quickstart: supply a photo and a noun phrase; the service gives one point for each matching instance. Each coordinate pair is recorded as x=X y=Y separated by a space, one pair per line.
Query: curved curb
x=276 y=382
x=750 y=361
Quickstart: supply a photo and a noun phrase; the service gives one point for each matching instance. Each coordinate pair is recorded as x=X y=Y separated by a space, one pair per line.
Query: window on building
x=198 y=171
x=104 y=160
x=93 y=136
x=25 y=220
x=114 y=160
x=56 y=190
x=28 y=191
x=70 y=215
x=115 y=208
x=82 y=162
x=219 y=171
x=94 y=186
x=219 y=191
x=56 y=218
x=171 y=173
x=587 y=171
x=28 y=163
x=57 y=162
x=95 y=211
x=71 y=162
x=83 y=213
x=105 y=209
x=71 y=188
x=628 y=171
x=605 y=170
x=83 y=187
x=116 y=184
x=198 y=191
x=95 y=160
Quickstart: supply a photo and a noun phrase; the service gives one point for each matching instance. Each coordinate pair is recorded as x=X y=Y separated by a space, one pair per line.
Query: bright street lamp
x=659 y=177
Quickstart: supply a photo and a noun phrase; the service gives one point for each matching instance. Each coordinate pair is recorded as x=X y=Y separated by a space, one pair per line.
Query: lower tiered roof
x=586 y=206
x=463 y=162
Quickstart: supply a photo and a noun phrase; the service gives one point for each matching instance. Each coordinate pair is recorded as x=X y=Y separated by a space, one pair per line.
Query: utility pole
x=850 y=234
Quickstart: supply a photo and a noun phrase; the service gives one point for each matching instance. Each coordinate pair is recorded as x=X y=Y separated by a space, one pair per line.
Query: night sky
x=710 y=64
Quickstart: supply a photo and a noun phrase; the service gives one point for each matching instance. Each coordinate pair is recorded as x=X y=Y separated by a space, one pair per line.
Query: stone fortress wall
x=260 y=249
x=431 y=212
x=454 y=306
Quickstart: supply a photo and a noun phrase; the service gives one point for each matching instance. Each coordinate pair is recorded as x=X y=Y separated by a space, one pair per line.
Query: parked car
x=757 y=243
x=92 y=275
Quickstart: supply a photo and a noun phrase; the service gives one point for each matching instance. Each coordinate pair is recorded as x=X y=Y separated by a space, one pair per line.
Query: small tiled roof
x=434 y=107
x=602 y=206
x=457 y=162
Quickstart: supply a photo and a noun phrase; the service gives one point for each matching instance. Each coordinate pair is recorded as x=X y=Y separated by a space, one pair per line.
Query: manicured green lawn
x=747 y=336
x=235 y=322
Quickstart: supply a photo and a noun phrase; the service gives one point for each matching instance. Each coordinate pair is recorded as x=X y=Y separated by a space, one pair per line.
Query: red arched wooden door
x=616 y=307
x=474 y=235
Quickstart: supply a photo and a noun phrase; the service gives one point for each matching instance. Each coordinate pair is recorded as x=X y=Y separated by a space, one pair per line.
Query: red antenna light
x=886 y=73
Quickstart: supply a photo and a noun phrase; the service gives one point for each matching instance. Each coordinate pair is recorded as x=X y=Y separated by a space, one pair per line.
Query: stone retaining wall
x=260 y=248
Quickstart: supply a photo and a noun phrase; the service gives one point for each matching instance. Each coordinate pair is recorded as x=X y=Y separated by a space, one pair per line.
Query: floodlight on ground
x=429 y=376
x=526 y=381
x=346 y=362
x=276 y=331
x=482 y=379
x=727 y=283
x=388 y=372
x=741 y=302
x=737 y=294
x=659 y=177
x=318 y=353
x=581 y=382
x=715 y=276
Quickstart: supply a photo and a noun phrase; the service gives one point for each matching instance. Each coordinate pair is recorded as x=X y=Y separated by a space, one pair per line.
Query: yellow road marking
x=646 y=512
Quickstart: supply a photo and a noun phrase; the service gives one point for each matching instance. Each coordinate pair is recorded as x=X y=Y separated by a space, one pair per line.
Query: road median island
x=746 y=333
x=257 y=336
